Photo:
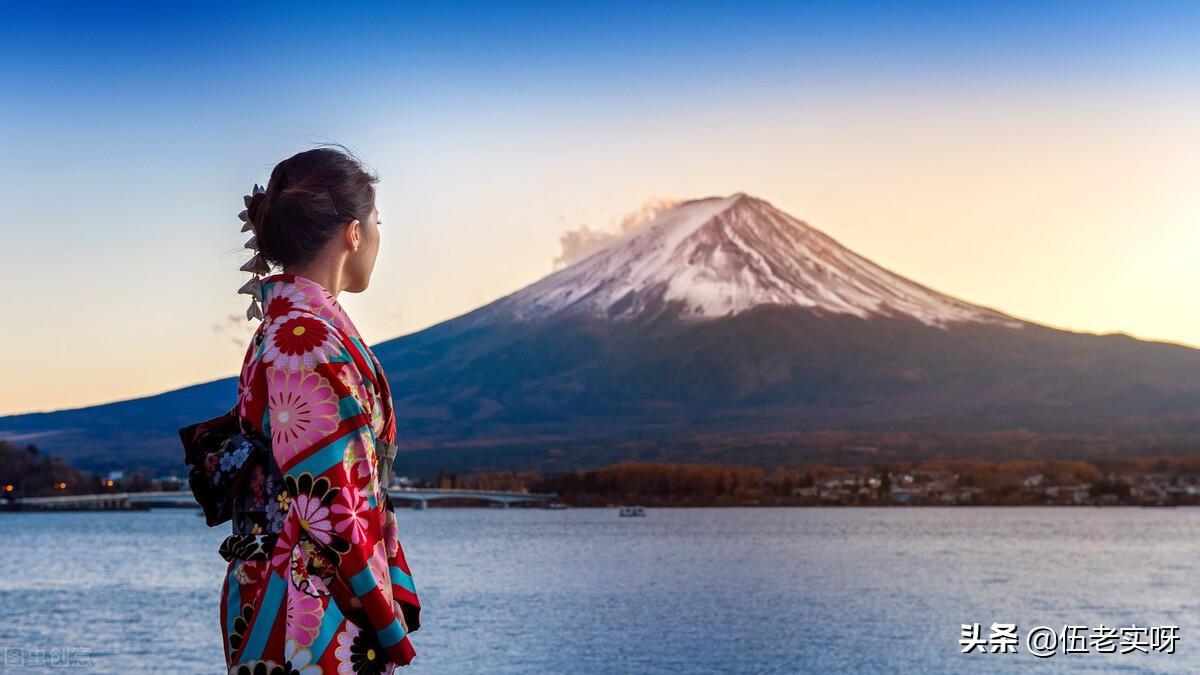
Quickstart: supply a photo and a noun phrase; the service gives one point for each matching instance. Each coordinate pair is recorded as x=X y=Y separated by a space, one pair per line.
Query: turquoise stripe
x=233 y=601
x=363 y=582
x=329 y=625
x=362 y=350
x=341 y=357
x=349 y=407
x=392 y=634
x=326 y=457
x=265 y=621
x=401 y=579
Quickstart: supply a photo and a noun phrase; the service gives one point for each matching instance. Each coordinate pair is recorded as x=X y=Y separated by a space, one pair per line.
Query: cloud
x=235 y=327
x=583 y=241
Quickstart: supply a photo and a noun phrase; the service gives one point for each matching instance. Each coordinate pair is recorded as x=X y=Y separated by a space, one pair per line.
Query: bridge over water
x=116 y=501
x=421 y=496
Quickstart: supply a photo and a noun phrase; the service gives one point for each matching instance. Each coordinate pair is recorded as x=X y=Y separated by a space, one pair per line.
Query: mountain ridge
x=723 y=330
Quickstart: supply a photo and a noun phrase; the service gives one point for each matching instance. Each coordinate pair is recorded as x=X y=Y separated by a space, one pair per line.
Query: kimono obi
x=262 y=503
x=259 y=510
x=247 y=546
x=258 y=504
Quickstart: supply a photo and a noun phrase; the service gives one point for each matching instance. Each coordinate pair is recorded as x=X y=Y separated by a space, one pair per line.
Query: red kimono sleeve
x=323 y=442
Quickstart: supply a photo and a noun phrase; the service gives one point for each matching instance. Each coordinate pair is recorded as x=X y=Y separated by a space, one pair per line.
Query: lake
x=720 y=590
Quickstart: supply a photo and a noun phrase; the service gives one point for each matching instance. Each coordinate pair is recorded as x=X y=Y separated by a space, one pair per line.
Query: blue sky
x=1036 y=157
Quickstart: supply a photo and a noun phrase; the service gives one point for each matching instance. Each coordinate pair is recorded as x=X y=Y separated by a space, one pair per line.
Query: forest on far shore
x=1166 y=480
x=1160 y=480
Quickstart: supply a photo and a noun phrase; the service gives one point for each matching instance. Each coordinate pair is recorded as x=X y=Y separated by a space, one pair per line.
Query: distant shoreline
x=39 y=482
x=897 y=507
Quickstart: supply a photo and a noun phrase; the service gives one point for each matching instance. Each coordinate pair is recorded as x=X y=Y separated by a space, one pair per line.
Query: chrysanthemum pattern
x=310 y=384
x=299 y=340
x=304 y=616
x=351 y=515
x=304 y=410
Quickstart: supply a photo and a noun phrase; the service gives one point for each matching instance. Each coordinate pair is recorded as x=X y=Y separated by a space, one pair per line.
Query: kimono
x=317 y=581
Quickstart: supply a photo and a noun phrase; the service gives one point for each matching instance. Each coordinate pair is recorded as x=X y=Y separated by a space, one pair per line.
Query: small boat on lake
x=632 y=511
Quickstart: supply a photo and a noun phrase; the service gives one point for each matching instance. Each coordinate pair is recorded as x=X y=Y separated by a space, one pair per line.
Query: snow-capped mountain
x=722 y=331
x=720 y=256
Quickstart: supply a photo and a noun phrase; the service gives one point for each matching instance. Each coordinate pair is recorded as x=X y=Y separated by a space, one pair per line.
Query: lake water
x=751 y=590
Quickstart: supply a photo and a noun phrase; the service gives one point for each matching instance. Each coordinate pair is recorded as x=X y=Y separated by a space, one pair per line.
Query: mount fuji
x=716 y=257
x=722 y=330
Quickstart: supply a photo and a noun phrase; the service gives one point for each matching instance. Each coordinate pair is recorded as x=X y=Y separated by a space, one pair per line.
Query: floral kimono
x=317 y=581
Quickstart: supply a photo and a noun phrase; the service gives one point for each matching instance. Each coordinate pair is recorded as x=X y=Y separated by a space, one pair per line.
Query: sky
x=1039 y=158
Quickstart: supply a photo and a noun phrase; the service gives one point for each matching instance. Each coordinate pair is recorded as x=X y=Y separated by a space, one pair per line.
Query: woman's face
x=361 y=262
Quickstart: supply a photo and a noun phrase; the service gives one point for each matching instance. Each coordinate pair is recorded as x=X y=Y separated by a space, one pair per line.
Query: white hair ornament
x=256 y=265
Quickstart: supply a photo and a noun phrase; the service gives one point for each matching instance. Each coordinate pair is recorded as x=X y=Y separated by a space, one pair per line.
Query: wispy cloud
x=583 y=241
x=233 y=327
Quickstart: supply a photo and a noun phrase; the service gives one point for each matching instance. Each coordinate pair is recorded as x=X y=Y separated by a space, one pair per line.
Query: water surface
x=753 y=590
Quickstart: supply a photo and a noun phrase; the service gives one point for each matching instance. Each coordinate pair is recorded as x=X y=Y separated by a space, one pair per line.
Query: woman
x=317 y=581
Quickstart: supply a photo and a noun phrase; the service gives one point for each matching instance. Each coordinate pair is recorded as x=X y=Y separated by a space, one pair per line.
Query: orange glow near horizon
x=1021 y=176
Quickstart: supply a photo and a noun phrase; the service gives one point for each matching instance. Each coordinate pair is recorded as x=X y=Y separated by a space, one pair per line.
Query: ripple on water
x=682 y=590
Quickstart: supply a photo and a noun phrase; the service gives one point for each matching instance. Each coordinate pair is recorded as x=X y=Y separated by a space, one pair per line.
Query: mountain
x=711 y=258
x=723 y=330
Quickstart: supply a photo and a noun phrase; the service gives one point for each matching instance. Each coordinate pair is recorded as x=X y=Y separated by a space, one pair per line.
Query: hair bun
x=256 y=208
x=307 y=198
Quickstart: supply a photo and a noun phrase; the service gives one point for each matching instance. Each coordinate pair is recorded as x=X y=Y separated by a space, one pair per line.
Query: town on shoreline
x=1159 y=481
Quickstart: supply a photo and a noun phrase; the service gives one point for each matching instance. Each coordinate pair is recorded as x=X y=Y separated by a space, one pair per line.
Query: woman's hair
x=309 y=196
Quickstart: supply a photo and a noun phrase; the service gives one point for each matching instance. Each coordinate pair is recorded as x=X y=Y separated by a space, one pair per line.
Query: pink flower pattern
x=245 y=380
x=304 y=410
x=353 y=510
x=282 y=556
x=295 y=388
x=314 y=518
x=303 y=615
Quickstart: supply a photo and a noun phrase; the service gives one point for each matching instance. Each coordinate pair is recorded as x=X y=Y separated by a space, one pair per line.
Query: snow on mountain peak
x=720 y=256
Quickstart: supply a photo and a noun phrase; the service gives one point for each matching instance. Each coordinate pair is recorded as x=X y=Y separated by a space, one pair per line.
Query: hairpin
x=253 y=288
x=254 y=311
x=256 y=265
